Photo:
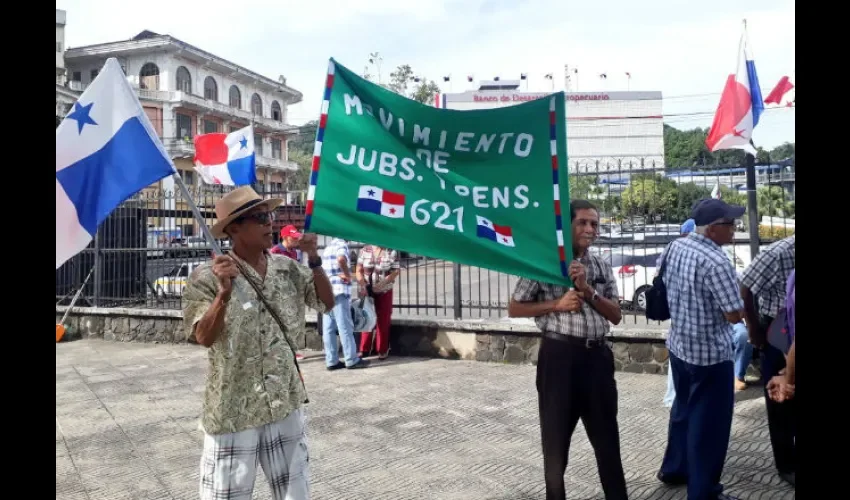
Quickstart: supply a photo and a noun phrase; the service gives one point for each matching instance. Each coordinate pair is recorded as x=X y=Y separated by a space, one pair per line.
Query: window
x=76 y=76
x=258 y=144
x=235 y=97
x=277 y=114
x=184 y=80
x=93 y=74
x=188 y=177
x=276 y=148
x=210 y=127
x=234 y=128
x=149 y=77
x=184 y=126
x=210 y=89
x=256 y=105
x=58 y=46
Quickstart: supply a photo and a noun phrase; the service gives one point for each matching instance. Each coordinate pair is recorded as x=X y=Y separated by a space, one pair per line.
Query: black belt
x=578 y=341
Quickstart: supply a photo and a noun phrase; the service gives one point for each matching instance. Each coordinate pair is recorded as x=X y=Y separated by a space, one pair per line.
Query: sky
x=683 y=48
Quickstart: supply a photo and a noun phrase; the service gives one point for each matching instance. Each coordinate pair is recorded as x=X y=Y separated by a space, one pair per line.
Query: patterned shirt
x=701 y=286
x=586 y=323
x=337 y=248
x=377 y=265
x=768 y=273
x=252 y=379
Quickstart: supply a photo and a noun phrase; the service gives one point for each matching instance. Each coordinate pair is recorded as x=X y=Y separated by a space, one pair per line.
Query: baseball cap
x=688 y=227
x=710 y=210
x=290 y=232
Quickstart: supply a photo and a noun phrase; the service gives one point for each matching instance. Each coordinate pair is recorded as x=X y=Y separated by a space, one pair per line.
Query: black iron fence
x=143 y=254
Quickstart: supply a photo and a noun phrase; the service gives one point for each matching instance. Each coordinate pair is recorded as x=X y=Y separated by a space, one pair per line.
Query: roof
x=147 y=41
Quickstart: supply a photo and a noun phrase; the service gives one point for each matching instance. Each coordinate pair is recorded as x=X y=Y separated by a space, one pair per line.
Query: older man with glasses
x=702 y=292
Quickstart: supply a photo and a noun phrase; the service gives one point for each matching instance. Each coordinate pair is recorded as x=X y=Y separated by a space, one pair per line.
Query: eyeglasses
x=724 y=223
x=258 y=217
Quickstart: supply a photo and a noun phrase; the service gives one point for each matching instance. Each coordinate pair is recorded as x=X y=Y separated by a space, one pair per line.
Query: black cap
x=711 y=210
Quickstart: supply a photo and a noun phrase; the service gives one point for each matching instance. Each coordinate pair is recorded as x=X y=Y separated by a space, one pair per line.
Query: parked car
x=173 y=282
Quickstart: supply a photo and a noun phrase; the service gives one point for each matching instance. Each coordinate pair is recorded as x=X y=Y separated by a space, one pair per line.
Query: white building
x=65 y=97
x=187 y=91
x=606 y=131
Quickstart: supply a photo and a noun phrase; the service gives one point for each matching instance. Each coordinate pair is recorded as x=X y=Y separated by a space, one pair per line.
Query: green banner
x=485 y=187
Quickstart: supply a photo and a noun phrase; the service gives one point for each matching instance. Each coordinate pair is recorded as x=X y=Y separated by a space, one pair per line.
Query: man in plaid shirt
x=702 y=292
x=575 y=366
x=765 y=279
x=336 y=261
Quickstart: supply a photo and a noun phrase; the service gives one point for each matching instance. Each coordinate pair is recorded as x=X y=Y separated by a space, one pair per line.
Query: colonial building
x=64 y=97
x=187 y=91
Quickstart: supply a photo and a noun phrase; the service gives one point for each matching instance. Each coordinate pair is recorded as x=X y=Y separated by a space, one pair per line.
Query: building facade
x=606 y=131
x=186 y=91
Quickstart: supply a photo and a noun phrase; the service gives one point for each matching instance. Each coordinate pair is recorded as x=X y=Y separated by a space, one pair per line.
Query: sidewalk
x=407 y=428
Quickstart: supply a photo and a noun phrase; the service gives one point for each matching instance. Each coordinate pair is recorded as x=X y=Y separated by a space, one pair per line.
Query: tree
x=425 y=91
x=650 y=197
x=773 y=202
x=400 y=78
x=685 y=149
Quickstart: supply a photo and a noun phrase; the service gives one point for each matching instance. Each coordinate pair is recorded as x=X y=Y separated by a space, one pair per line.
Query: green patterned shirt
x=252 y=379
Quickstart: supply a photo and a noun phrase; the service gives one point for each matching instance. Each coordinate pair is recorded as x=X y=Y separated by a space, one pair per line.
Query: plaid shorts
x=229 y=461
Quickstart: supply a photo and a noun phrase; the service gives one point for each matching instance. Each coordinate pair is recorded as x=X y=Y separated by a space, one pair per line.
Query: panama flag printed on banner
x=740 y=106
x=106 y=151
x=500 y=234
x=227 y=159
x=378 y=201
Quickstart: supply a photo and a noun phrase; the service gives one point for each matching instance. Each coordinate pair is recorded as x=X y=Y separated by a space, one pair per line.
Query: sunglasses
x=258 y=217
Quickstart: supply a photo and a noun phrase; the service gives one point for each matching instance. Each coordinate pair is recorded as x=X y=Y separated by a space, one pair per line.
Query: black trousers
x=576 y=382
x=781 y=417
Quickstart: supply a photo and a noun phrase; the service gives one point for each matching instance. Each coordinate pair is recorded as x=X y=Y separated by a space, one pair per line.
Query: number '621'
x=421 y=211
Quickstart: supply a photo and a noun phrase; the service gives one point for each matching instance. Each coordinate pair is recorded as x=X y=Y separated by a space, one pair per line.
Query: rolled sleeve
x=723 y=285
x=526 y=290
x=759 y=275
x=201 y=289
x=311 y=297
x=396 y=264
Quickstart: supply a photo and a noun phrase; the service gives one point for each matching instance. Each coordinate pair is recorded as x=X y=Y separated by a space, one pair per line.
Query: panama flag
x=106 y=151
x=227 y=159
x=378 y=201
x=500 y=234
x=740 y=106
x=784 y=94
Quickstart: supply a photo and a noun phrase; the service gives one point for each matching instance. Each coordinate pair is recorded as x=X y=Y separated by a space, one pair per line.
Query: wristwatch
x=594 y=296
x=314 y=263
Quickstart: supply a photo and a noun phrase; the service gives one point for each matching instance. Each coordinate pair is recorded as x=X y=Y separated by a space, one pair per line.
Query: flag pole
x=240 y=294
x=750 y=168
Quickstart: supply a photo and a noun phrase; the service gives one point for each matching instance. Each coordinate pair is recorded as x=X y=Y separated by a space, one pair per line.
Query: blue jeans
x=338 y=320
x=743 y=356
x=700 y=424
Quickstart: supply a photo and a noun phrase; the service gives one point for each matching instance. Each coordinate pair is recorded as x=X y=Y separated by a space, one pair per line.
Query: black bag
x=657 y=308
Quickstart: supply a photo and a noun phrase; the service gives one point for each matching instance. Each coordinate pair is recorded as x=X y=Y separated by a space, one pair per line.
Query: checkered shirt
x=701 y=286
x=587 y=323
x=768 y=273
x=335 y=249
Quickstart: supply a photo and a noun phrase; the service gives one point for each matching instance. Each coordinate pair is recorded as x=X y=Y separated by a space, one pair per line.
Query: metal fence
x=144 y=252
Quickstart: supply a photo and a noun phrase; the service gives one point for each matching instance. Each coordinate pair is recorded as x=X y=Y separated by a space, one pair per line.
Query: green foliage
x=773 y=202
x=775 y=232
x=684 y=149
x=648 y=196
x=425 y=91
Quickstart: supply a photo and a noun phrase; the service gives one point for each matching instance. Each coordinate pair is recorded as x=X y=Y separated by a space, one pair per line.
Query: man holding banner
x=575 y=366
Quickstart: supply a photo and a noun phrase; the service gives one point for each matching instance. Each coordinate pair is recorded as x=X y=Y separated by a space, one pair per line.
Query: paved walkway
x=408 y=428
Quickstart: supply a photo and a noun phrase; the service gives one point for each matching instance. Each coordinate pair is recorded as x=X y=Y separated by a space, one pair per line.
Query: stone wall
x=635 y=350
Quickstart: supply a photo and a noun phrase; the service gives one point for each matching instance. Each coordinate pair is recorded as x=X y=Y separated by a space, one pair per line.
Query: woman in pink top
x=379 y=268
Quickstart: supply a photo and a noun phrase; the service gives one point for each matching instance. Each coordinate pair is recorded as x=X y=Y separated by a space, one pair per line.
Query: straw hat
x=236 y=203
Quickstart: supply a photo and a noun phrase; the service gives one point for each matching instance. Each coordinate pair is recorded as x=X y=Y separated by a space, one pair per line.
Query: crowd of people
x=255 y=393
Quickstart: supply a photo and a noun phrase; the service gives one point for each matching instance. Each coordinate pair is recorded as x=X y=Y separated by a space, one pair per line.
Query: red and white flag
x=740 y=106
x=784 y=94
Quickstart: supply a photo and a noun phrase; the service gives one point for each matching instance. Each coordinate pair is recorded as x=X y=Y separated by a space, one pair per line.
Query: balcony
x=180 y=148
x=221 y=110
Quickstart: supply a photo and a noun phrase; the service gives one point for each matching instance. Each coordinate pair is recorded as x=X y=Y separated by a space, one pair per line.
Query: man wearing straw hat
x=252 y=407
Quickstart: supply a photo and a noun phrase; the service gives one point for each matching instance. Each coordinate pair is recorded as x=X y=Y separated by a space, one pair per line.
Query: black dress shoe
x=790 y=478
x=336 y=366
x=363 y=363
x=671 y=480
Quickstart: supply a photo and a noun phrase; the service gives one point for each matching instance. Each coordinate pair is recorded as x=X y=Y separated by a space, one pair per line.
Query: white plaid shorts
x=229 y=461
